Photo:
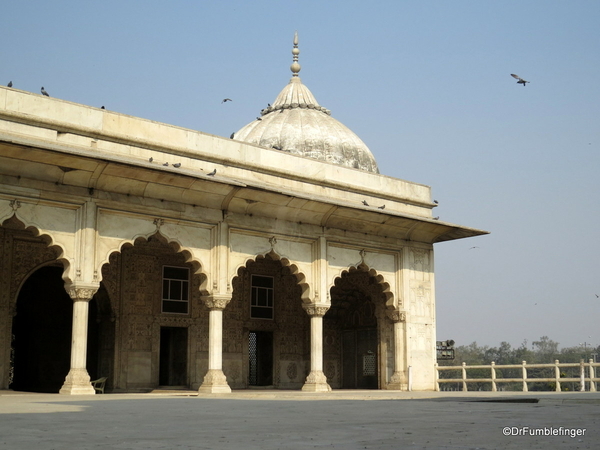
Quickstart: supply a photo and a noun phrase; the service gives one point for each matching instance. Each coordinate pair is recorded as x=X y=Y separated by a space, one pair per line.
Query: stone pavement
x=297 y=420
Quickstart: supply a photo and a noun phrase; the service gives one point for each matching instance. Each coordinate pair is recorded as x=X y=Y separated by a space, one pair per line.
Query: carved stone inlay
x=292 y=371
x=15 y=204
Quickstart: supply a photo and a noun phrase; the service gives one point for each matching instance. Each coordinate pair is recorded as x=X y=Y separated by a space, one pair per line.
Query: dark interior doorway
x=173 y=356
x=260 y=350
x=359 y=359
x=41 y=333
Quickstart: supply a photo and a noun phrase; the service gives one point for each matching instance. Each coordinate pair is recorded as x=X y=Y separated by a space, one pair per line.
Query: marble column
x=316 y=381
x=215 y=381
x=398 y=380
x=77 y=381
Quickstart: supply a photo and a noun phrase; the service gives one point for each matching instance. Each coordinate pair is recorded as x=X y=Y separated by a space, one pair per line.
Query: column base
x=215 y=382
x=77 y=382
x=316 y=381
x=397 y=382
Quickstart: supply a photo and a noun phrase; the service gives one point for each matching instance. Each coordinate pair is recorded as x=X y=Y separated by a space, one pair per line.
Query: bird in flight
x=43 y=91
x=521 y=80
x=226 y=100
x=9 y=84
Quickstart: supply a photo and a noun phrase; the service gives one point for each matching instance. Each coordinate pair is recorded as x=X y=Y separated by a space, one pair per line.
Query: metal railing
x=524 y=379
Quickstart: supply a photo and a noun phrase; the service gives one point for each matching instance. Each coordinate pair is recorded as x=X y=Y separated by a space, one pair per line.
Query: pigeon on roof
x=9 y=84
x=43 y=91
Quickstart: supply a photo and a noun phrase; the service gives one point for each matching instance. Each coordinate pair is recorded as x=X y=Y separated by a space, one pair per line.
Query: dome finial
x=295 y=67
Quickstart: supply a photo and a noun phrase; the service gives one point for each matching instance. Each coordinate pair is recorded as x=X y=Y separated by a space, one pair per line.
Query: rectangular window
x=176 y=290
x=261 y=302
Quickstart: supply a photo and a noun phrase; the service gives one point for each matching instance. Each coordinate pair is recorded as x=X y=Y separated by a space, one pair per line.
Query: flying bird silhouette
x=521 y=80
x=9 y=84
x=43 y=91
x=226 y=100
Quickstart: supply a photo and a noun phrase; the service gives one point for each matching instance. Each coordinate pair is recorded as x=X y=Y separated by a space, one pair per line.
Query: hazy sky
x=425 y=84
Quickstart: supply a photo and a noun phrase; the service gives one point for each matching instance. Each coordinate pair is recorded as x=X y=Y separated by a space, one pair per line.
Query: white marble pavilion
x=158 y=256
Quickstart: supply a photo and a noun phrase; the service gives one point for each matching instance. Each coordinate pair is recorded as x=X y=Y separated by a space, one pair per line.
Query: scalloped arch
x=47 y=237
x=385 y=287
x=293 y=268
x=174 y=244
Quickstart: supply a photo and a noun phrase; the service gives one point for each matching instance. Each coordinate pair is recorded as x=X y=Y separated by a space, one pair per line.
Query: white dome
x=297 y=124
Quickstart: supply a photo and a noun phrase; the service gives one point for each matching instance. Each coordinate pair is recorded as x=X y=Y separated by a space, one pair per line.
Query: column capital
x=82 y=292
x=216 y=301
x=396 y=315
x=316 y=309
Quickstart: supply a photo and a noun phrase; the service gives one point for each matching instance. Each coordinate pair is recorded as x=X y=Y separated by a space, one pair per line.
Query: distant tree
x=545 y=349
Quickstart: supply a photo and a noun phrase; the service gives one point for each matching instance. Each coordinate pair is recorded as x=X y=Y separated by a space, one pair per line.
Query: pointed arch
x=379 y=279
x=58 y=254
x=174 y=244
x=285 y=262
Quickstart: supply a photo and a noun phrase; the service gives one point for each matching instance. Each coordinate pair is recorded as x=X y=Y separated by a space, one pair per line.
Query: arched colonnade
x=85 y=240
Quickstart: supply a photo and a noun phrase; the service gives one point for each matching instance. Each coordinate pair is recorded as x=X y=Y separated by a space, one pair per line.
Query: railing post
x=592 y=376
x=524 y=371
x=582 y=376
x=493 y=370
x=556 y=375
x=464 y=377
x=437 y=377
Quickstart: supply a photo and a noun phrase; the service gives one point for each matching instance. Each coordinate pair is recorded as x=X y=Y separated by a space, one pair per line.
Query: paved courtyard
x=296 y=420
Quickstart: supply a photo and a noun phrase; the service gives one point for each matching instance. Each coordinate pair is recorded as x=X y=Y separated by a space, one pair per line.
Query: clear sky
x=425 y=84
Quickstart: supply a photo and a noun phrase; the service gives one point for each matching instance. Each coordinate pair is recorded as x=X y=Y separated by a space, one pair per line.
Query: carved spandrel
x=28 y=254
